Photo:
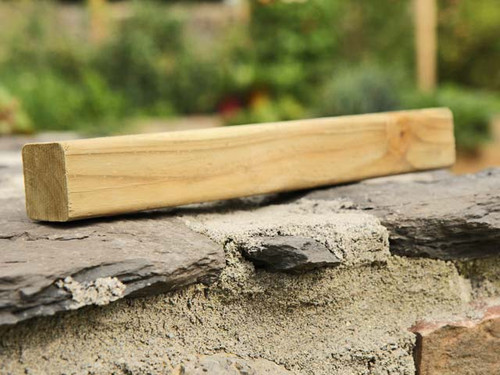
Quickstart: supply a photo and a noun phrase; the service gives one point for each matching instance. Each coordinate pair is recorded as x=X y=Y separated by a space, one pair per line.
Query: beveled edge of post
x=45 y=182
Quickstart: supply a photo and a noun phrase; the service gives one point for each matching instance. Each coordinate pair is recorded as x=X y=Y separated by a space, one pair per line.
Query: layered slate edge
x=434 y=215
x=49 y=268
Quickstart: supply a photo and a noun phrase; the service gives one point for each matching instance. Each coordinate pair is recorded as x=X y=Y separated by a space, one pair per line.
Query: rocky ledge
x=46 y=268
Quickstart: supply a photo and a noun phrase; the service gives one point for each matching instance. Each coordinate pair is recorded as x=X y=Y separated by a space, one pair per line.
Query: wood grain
x=108 y=176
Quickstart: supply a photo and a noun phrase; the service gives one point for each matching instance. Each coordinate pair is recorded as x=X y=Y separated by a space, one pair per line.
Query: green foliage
x=50 y=101
x=13 y=118
x=38 y=45
x=379 y=30
x=297 y=44
x=56 y=103
x=293 y=44
x=140 y=59
x=363 y=89
x=148 y=60
x=145 y=68
x=472 y=112
x=52 y=76
x=197 y=84
x=469 y=42
x=265 y=110
x=293 y=59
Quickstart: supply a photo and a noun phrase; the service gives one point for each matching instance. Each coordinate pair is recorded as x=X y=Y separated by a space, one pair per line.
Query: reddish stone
x=463 y=347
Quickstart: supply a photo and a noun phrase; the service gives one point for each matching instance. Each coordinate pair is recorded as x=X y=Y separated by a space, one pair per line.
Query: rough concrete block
x=298 y=235
x=223 y=364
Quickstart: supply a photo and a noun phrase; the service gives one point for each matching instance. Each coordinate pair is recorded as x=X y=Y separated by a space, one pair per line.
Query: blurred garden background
x=101 y=67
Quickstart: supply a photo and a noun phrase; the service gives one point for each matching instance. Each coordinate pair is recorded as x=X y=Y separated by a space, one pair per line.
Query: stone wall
x=387 y=276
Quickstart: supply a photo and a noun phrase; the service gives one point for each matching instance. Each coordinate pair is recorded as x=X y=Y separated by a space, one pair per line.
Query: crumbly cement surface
x=99 y=292
x=344 y=320
x=484 y=276
x=353 y=237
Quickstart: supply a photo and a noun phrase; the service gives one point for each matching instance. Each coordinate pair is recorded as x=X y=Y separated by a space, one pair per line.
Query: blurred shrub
x=145 y=68
x=293 y=57
x=38 y=45
x=52 y=75
x=140 y=58
x=379 y=30
x=56 y=103
x=151 y=61
x=299 y=43
x=293 y=44
x=362 y=89
x=472 y=112
x=264 y=109
x=197 y=84
x=13 y=119
x=51 y=101
x=469 y=42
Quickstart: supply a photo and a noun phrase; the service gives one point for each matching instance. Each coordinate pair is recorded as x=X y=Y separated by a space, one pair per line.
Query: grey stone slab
x=46 y=268
x=433 y=214
x=290 y=253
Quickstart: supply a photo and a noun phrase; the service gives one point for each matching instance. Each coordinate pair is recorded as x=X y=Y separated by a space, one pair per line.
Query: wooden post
x=108 y=176
x=426 y=43
x=98 y=20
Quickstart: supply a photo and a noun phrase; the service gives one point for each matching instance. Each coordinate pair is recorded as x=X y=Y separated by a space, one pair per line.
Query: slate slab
x=291 y=253
x=437 y=215
x=49 y=268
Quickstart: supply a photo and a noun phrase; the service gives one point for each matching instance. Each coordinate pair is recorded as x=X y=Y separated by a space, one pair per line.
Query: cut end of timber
x=45 y=182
